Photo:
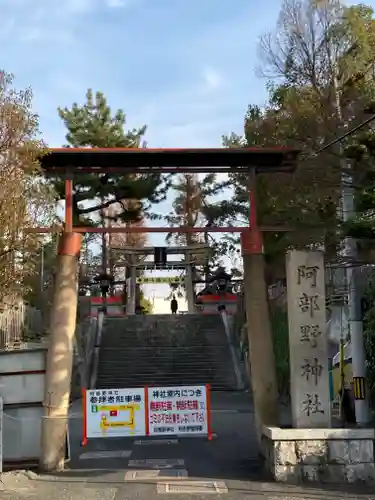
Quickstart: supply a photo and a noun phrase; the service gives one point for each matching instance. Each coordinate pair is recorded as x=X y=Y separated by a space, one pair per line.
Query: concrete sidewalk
x=22 y=486
x=138 y=468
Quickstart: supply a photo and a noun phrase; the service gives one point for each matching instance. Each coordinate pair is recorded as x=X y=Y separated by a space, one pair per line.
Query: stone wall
x=22 y=389
x=319 y=455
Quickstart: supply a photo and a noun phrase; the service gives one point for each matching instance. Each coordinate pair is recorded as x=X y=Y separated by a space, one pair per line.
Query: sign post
x=1 y=434
x=114 y=413
x=156 y=411
x=179 y=411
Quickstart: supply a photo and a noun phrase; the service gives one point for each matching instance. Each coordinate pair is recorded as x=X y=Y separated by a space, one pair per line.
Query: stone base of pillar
x=319 y=455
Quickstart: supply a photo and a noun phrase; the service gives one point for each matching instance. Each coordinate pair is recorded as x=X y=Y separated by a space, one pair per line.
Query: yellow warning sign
x=160 y=279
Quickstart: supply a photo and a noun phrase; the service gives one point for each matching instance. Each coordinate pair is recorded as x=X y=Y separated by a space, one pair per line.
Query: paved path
x=132 y=469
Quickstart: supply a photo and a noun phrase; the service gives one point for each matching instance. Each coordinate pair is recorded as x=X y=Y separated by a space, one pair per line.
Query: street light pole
x=354 y=313
x=350 y=253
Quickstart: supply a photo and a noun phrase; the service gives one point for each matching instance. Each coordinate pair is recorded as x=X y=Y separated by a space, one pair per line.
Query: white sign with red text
x=178 y=411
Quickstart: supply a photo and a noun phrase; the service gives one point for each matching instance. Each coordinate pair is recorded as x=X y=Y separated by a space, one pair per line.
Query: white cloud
x=45 y=22
x=115 y=4
x=112 y=4
x=78 y=6
x=212 y=79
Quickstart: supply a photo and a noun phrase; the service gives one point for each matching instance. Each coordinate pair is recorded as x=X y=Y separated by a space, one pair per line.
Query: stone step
x=199 y=320
x=152 y=375
x=161 y=381
x=166 y=351
x=172 y=339
x=200 y=372
x=168 y=363
x=123 y=385
x=131 y=327
x=155 y=361
x=149 y=346
x=150 y=343
x=135 y=366
x=180 y=331
x=192 y=330
x=141 y=379
x=145 y=380
x=106 y=368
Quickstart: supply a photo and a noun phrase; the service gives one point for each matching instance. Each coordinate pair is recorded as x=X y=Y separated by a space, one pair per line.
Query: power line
x=343 y=136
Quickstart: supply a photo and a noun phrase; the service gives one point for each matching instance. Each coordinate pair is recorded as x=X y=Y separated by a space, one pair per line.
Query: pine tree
x=310 y=84
x=186 y=208
x=193 y=206
x=94 y=125
x=123 y=199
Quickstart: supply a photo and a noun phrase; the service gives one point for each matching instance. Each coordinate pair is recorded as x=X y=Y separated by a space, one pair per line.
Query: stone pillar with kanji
x=308 y=345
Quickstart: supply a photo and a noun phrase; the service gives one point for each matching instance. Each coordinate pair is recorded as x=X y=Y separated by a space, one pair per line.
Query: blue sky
x=183 y=67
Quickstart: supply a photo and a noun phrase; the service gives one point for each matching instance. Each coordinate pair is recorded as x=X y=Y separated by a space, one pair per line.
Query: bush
x=369 y=337
x=280 y=333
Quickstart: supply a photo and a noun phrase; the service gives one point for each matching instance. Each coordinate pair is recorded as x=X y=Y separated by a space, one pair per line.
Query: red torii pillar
x=61 y=342
x=261 y=351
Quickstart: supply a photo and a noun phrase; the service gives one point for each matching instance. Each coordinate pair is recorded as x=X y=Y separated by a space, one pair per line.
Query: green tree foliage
x=94 y=125
x=361 y=153
x=279 y=324
x=196 y=203
x=39 y=289
x=369 y=334
x=317 y=61
x=186 y=208
x=146 y=304
x=26 y=199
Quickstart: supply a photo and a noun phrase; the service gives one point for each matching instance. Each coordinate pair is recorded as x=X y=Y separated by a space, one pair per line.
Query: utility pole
x=354 y=313
x=350 y=254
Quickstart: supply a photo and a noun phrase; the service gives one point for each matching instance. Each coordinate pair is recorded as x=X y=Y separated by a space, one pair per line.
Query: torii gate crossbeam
x=70 y=161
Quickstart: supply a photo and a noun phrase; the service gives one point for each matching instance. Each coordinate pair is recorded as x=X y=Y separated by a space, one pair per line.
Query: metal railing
x=86 y=339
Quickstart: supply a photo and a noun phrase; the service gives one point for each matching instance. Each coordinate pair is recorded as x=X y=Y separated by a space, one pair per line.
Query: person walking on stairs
x=174 y=305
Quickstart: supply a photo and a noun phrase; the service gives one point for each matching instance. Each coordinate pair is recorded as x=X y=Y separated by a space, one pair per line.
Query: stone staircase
x=165 y=350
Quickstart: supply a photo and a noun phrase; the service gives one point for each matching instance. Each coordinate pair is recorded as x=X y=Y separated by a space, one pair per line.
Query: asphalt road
x=131 y=469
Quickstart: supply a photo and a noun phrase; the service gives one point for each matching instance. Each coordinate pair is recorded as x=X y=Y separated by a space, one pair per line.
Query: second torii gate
x=193 y=255
x=72 y=161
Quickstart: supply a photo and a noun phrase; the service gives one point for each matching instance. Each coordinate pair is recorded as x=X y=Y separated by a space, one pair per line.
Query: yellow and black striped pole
x=342 y=380
x=359 y=387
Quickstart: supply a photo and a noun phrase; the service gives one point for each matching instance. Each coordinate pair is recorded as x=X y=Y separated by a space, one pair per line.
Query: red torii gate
x=71 y=161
